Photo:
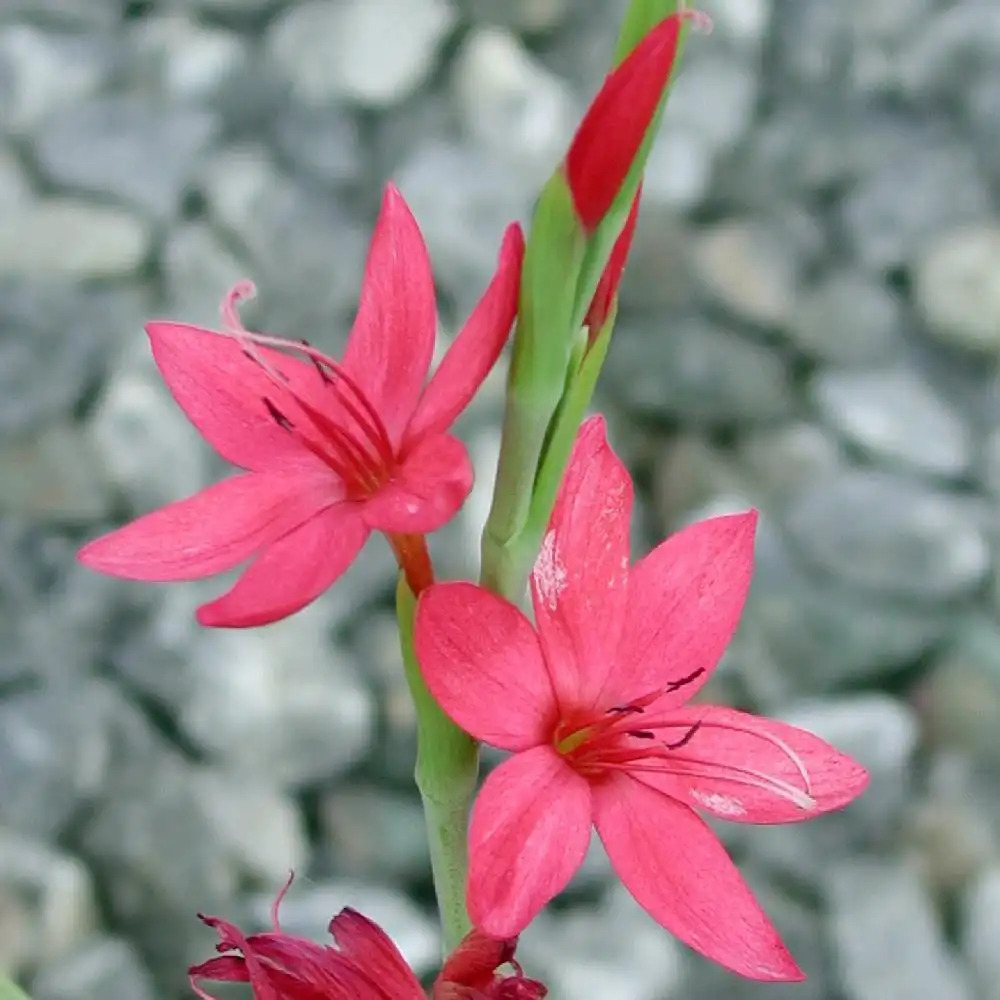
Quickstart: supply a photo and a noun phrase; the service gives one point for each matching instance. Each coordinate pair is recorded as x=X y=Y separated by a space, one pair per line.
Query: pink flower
x=613 y=127
x=332 y=450
x=593 y=706
x=364 y=965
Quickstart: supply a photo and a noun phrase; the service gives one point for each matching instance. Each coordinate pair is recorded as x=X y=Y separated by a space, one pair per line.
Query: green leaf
x=8 y=991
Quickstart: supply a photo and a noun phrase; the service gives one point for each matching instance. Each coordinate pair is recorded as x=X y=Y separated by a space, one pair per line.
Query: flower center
x=346 y=432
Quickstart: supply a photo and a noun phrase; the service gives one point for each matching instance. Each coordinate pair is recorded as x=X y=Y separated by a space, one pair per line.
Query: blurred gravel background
x=811 y=323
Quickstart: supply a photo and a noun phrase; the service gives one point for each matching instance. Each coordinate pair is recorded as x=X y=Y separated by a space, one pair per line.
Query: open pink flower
x=593 y=706
x=364 y=965
x=332 y=449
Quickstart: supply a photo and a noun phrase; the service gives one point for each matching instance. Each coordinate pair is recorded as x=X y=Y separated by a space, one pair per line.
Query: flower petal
x=476 y=348
x=365 y=944
x=684 y=603
x=750 y=769
x=232 y=938
x=579 y=584
x=222 y=392
x=529 y=832
x=392 y=341
x=212 y=531
x=480 y=659
x=677 y=870
x=291 y=572
x=426 y=491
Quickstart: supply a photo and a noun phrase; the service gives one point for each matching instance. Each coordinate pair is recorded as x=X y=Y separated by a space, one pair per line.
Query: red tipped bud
x=612 y=130
x=607 y=287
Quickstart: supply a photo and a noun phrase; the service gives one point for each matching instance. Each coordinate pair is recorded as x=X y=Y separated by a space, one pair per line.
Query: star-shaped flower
x=593 y=703
x=332 y=450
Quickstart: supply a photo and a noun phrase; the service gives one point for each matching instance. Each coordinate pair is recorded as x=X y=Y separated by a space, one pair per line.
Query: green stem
x=446 y=773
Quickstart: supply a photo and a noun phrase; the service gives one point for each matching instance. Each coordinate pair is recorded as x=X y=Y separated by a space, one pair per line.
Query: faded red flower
x=363 y=964
x=613 y=127
x=592 y=701
x=332 y=449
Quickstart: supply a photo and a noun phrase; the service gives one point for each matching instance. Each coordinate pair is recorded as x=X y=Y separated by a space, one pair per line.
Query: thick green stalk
x=8 y=991
x=446 y=773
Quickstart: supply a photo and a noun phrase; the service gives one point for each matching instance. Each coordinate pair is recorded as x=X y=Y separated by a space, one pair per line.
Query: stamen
x=626 y=710
x=278 y=417
x=240 y=292
x=641 y=734
x=685 y=739
x=684 y=681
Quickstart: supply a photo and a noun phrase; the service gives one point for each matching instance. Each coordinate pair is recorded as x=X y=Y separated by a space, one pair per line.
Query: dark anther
x=277 y=416
x=642 y=734
x=250 y=355
x=625 y=710
x=684 y=681
x=685 y=739
x=323 y=373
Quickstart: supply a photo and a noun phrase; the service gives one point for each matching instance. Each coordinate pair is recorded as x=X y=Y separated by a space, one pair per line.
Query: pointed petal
x=222 y=391
x=579 y=583
x=684 y=603
x=677 y=870
x=480 y=659
x=426 y=491
x=476 y=348
x=291 y=572
x=231 y=938
x=615 y=124
x=392 y=341
x=750 y=769
x=364 y=943
x=529 y=832
x=212 y=531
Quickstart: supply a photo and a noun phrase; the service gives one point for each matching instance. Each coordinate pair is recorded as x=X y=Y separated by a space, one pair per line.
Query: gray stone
x=15 y=188
x=515 y=109
x=612 y=950
x=696 y=370
x=67 y=334
x=304 y=253
x=886 y=534
x=957 y=284
x=72 y=238
x=43 y=72
x=895 y=211
x=991 y=462
x=126 y=148
x=309 y=907
x=748 y=269
x=105 y=967
x=280 y=704
x=375 y=52
x=463 y=201
x=259 y=827
x=847 y=319
x=73 y=14
x=741 y=24
x=145 y=445
x=54 y=755
x=47 y=900
x=823 y=633
x=375 y=833
x=198 y=271
x=960 y=697
x=323 y=143
x=981 y=932
x=51 y=475
x=894 y=415
x=887 y=938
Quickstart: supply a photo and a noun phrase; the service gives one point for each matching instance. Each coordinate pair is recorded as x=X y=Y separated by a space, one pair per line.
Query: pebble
x=957 y=286
x=103 y=966
x=373 y=52
x=691 y=368
x=895 y=416
x=981 y=932
x=70 y=238
x=848 y=319
x=48 y=903
x=885 y=534
x=888 y=940
x=746 y=268
x=324 y=144
x=515 y=109
x=128 y=149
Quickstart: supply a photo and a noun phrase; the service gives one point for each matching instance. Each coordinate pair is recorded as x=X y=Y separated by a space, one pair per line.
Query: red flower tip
x=607 y=287
x=363 y=964
x=614 y=125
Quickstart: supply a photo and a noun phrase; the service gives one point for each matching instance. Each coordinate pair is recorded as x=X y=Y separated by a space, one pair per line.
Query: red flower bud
x=612 y=130
x=607 y=287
